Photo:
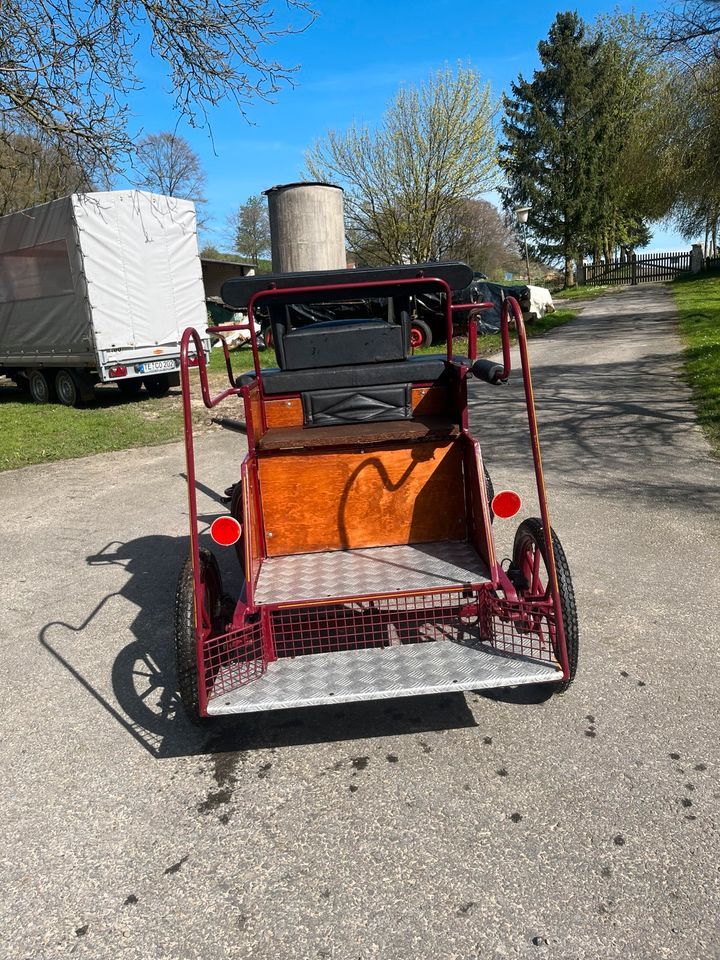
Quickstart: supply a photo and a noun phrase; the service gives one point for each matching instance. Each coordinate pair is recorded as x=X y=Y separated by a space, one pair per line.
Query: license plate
x=152 y=366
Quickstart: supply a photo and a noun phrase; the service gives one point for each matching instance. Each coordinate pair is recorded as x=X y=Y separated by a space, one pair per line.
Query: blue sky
x=352 y=60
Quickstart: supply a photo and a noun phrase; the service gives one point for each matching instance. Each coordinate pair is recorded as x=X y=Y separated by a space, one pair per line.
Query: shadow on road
x=145 y=701
x=605 y=426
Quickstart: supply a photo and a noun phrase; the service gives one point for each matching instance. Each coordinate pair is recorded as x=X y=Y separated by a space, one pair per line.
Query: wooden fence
x=639 y=268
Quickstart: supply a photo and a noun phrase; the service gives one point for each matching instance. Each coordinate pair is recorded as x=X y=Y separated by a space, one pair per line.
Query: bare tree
x=475 y=232
x=691 y=28
x=250 y=227
x=166 y=163
x=67 y=68
x=33 y=170
x=434 y=146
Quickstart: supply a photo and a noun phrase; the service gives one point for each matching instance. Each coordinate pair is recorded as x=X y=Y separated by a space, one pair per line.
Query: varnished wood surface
x=425 y=430
x=345 y=499
x=430 y=401
x=284 y=413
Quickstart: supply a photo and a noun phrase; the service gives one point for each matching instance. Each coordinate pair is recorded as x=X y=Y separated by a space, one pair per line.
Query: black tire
x=40 y=385
x=130 y=388
x=237 y=512
x=420 y=334
x=530 y=535
x=185 y=651
x=66 y=388
x=490 y=491
x=157 y=385
x=267 y=335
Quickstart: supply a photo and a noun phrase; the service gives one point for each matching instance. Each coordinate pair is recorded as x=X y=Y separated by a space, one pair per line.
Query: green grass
x=489 y=343
x=698 y=301
x=40 y=434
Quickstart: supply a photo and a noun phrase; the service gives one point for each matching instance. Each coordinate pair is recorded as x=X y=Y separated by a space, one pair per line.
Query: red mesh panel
x=525 y=629
x=473 y=617
x=233 y=659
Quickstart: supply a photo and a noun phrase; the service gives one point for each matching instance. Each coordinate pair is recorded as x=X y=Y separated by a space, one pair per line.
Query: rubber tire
x=157 y=385
x=236 y=511
x=66 y=388
x=185 y=653
x=266 y=334
x=529 y=532
x=130 y=388
x=424 y=330
x=40 y=386
x=490 y=491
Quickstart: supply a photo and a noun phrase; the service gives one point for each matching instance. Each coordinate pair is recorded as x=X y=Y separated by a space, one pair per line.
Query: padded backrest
x=337 y=343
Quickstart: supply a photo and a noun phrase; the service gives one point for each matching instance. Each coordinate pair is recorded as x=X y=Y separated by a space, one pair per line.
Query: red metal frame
x=516 y=625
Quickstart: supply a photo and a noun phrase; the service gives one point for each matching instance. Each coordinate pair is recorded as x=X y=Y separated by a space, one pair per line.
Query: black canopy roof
x=237 y=292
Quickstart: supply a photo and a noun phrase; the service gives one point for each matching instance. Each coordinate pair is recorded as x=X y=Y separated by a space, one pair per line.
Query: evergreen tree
x=549 y=156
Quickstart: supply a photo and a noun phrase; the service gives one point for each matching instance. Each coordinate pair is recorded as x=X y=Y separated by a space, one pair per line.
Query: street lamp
x=521 y=214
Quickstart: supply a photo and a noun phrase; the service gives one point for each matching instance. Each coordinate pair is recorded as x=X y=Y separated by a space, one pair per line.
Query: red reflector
x=226 y=531
x=506 y=504
x=193 y=360
x=117 y=372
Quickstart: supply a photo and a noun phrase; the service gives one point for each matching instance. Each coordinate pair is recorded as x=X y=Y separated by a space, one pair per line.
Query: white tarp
x=141 y=265
x=541 y=302
x=98 y=271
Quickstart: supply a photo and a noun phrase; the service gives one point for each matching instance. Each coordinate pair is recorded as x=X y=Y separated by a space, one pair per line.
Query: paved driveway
x=449 y=827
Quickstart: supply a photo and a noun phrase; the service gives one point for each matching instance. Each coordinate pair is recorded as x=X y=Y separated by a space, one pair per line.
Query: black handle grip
x=488 y=370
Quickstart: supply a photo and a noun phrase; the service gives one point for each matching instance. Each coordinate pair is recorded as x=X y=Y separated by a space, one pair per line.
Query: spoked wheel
x=40 y=385
x=533 y=583
x=188 y=675
x=420 y=334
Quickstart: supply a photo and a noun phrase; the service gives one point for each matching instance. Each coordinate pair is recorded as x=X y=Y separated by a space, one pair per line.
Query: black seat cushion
x=431 y=368
x=335 y=343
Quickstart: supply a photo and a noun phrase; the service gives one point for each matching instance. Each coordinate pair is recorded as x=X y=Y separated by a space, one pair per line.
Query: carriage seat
x=350 y=371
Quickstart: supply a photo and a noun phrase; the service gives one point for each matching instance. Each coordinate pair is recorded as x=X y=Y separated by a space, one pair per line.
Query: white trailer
x=97 y=288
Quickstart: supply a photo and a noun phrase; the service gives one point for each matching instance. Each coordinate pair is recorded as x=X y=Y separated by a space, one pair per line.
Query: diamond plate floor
x=370 y=570
x=379 y=674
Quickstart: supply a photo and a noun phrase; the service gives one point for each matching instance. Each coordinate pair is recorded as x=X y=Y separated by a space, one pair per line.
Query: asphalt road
x=435 y=828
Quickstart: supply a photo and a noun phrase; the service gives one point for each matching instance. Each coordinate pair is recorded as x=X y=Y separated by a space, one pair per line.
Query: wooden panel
x=284 y=413
x=331 y=501
x=252 y=526
x=253 y=411
x=430 y=401
x=427 y=430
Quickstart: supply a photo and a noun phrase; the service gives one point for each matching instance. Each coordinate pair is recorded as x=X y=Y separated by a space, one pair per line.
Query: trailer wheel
x=420 y=334
x=157 y=385
x=66 y=388
x=529 y=541
x=131 y=387
x=186 y=665
x=40 y=386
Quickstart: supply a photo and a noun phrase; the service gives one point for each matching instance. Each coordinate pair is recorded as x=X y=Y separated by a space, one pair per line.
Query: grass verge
x=40 y=434
x=698 y=302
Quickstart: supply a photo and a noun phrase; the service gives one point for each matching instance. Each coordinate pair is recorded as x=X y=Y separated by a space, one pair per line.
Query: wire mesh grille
x=234 y=659
x=469 y=617
x=521 y=628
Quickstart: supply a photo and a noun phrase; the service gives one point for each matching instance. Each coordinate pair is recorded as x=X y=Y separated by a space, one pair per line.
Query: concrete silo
x=307 y=228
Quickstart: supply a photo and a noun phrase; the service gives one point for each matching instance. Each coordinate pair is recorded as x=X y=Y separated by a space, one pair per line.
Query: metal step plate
x=369 y=571
x=377 y=674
